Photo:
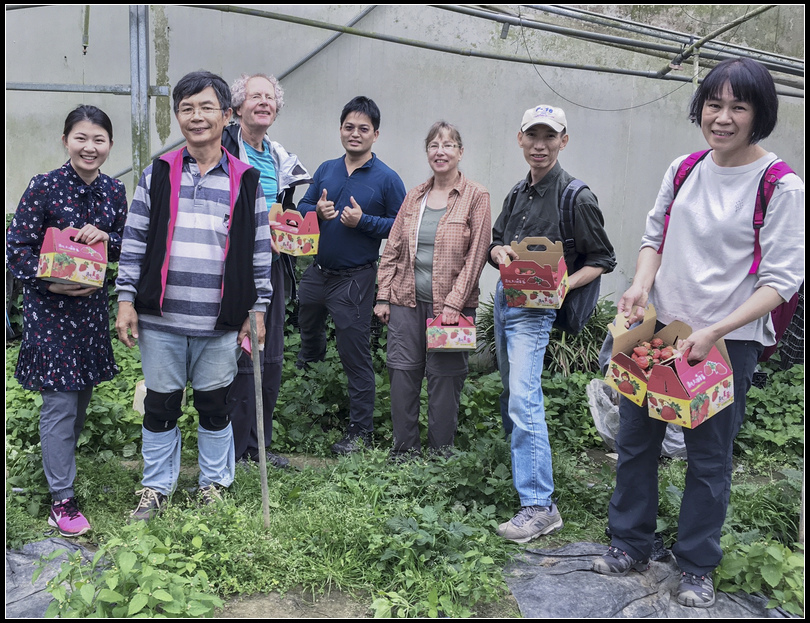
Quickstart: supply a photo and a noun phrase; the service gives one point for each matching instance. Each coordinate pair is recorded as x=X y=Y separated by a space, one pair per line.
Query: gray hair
x=239 y=91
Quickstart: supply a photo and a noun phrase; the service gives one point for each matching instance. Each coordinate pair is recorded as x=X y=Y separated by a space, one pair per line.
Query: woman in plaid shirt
x=431 y=264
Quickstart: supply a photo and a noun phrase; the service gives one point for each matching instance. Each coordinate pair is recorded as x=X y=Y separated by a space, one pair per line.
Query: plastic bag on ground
x=603 y=401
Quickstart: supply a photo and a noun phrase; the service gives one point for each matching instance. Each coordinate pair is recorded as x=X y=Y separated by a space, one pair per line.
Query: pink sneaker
x=66 y=518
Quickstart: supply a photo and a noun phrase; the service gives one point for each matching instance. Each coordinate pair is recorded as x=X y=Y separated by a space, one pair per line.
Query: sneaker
x=530 y=523
x=67 y=519
x=696 y=591
x=149 y=506
x=210 y=494
x=617 y=562
x=273 y=459
x=352 y=442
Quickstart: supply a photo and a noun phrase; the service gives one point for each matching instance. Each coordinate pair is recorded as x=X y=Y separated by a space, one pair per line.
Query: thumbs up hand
x=350 y=216
x=325 y=208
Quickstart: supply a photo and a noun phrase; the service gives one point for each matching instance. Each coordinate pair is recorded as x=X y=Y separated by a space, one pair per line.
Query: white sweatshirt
x=709 y=245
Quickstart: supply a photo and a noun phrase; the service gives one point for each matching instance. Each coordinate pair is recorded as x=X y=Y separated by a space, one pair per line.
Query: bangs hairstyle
x=442 y=126
x=751 y=83
x=239 y=91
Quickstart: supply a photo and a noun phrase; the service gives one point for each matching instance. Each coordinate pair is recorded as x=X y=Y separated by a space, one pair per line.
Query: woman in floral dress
x=66 y=348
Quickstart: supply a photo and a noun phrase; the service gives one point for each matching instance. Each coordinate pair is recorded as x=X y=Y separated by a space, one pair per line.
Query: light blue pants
x=521 y=337
x=169 y=362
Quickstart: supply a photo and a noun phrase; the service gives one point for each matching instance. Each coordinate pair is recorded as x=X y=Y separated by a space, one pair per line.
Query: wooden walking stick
x=257 y=388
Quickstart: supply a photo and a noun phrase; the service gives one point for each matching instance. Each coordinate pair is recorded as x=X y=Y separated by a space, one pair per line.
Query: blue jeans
x=521 y=337
x=169 y=362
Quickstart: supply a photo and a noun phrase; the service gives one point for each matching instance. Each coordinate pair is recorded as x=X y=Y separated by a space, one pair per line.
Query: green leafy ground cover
x=415 y=539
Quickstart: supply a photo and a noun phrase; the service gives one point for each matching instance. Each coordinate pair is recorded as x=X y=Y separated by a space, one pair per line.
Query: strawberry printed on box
x=63 y=260
x=294 y=233
x=457 y=337
x=538 y=278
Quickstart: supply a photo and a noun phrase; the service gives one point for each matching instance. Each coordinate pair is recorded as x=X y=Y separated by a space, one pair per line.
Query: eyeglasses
x=205 y=111
x=258 y=97
x=434 y=147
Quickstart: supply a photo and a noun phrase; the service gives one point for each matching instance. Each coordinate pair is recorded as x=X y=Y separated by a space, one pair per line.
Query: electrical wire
x=711 y=56
x=561 y=96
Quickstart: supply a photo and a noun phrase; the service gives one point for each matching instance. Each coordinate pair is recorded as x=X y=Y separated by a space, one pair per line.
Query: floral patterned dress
x=66 y=342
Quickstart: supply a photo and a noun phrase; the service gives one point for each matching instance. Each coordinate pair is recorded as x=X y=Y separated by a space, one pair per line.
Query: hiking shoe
x=696 y=591
x=352 y=442
x=210 y=494
x=403 y=456
x=617 y=562
x=530 y=523
x=273 y=459
x=276 y=460
x=66 y=518
x=149 y=506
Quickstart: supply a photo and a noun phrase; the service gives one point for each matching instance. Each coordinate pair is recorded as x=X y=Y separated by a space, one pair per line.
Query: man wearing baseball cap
x=531 y=209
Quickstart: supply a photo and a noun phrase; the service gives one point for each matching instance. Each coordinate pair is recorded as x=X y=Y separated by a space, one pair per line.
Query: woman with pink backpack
x=722 y=271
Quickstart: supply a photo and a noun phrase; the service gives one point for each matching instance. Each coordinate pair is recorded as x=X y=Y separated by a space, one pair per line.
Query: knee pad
x=161 y=411
x=213 y=407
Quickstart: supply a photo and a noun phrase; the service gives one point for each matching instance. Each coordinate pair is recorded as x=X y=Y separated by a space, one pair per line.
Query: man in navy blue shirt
x=356 y=198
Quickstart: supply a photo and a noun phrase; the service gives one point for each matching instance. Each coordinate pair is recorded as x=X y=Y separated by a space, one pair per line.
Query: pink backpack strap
x=684 y=169
x=767 y=184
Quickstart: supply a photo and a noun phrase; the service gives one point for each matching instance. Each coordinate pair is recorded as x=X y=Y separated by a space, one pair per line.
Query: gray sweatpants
x=61 y=420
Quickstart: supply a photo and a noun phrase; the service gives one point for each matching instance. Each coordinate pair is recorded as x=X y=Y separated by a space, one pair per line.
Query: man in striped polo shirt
x=195 y=260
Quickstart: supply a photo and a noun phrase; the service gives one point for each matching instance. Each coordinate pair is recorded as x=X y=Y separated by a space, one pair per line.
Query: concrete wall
x=624 y=130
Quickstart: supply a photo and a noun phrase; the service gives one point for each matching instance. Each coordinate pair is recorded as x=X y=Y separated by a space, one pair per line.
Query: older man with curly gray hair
x=256 y=100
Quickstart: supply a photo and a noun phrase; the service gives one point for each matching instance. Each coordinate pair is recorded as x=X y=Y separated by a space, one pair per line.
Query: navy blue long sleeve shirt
x=379 y=192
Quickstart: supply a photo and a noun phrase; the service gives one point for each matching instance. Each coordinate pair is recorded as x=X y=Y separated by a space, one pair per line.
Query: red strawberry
x=707 y=369
x=656 y=342
x=307 y=248
x=641 y=351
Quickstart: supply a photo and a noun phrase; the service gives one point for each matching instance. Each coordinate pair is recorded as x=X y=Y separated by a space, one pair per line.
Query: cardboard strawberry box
x=448 y=338
x=674 y=390
x=63 y=260
x=294 y=233
x=688 y=395
x=539 y=278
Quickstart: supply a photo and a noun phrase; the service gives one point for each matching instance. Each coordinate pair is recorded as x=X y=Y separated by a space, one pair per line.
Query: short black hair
x=89 y=113
x=751 y=83
x=198 y=81
x=364 y=106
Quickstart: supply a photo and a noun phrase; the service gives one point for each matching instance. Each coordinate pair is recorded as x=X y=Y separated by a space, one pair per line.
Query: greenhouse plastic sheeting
x=25 y=599
x=560 y=584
